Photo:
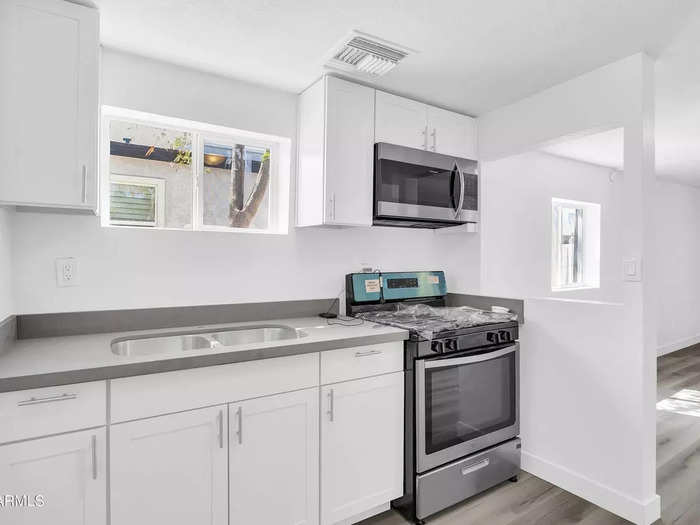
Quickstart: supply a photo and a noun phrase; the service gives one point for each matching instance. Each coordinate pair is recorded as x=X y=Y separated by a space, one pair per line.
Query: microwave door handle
x=461 y=194
x=455 y=361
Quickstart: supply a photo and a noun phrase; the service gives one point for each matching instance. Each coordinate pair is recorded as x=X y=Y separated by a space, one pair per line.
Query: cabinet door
x=361 y=445
x=49 y=102
x=400 y=121
x=349 y=165
x=170 y=469
x=451 y=133
x=62 y=478
x=273 y=469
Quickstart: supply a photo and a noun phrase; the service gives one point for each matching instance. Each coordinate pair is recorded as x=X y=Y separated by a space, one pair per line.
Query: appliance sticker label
x=372 y=286
x=434 y=279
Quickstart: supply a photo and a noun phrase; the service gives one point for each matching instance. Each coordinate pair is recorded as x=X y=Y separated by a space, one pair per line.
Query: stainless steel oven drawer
x=461 y=479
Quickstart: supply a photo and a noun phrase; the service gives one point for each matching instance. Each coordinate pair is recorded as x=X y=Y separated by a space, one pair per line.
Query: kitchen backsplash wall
x=122 y=268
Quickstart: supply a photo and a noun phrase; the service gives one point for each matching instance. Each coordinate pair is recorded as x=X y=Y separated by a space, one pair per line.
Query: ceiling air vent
x=368 y=55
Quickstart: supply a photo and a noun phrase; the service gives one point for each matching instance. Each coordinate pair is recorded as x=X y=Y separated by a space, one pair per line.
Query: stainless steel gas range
x=461 y=388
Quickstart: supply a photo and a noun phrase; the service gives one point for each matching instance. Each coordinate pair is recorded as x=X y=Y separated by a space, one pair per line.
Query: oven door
x=424 y=186
x=465 y=403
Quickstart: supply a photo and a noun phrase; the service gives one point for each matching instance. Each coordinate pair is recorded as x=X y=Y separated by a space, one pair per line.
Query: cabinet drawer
x=42 y=411
x=454 y=482
x=361 y=361
x=168 y=392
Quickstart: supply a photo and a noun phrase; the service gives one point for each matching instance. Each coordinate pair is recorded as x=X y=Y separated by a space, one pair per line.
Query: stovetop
x=431 y=322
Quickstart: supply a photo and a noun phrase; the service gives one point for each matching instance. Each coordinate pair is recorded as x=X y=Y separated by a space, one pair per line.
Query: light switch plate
x=631 y=269
x=67 y=271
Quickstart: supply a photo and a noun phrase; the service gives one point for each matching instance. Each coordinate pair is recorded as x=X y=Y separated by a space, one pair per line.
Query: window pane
x=144 y=154
x=567 y=231
x=235 y=186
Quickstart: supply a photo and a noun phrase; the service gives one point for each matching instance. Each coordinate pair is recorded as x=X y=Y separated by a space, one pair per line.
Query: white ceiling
x=474 y=55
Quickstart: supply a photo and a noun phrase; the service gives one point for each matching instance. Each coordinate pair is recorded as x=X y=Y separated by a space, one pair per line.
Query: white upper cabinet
x=68 y=473
x=170 y=469
x=49 y=53
x=273 y=459
x=451 y=133
x=416 y=125
x=401 y=121
x=361 y=445
x=336 y=141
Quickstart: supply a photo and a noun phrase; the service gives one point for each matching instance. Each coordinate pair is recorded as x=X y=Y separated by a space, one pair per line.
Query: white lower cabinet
x=273 y=460
x=170 y=469
x=60 y=480
x=361 y=445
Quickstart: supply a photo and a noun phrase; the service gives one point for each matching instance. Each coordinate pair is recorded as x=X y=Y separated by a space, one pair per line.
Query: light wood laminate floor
x=533 y=501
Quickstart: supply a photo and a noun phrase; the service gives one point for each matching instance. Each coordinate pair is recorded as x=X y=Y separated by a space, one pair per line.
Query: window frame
x=158 y=184
x=280 y=167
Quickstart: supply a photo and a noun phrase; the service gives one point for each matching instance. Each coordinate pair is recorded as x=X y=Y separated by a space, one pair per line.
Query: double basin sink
x=204 y=340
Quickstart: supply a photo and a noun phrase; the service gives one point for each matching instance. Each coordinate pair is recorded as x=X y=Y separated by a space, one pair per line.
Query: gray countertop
x=52 y=361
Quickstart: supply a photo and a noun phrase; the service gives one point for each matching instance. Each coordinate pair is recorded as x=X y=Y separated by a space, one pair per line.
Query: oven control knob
x=503 y=335
x=436 y=346
x=451 y=345
x=492 y=337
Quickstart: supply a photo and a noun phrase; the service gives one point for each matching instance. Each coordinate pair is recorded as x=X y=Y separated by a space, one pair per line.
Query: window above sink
x=167 y=173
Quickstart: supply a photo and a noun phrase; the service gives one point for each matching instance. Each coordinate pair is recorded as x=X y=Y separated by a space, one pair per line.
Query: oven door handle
x=446 y=361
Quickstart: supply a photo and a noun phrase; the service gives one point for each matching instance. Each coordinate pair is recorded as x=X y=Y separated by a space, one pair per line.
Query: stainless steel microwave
x=422 y=189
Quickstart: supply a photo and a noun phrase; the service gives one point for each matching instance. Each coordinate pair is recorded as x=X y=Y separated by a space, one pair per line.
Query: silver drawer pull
x=369 y=352
x=48 y=399
x=331 y=406
x=240 y=426
x=475 y=466
x=220 y=421
x=93 y=450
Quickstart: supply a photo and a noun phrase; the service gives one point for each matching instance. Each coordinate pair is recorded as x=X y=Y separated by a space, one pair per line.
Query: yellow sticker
x=434 y=279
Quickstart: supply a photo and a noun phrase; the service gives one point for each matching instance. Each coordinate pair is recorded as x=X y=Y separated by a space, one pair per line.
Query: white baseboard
x=680 y=344
x=636 y=511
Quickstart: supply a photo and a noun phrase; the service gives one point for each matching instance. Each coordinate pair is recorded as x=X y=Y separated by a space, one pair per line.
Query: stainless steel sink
x=210 y=339
x=261 y=334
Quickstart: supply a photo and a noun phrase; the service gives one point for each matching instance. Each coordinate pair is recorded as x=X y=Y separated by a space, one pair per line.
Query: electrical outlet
x=67 y=271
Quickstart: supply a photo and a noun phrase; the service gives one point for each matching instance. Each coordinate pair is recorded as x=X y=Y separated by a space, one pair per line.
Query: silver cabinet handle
x=93 y=451
x=331 y=408
x=221 y=428
x=239 y=433
x=476 y=466
x=332 y=206
x=434 y=135
x=425 y=137
x=369 y=352
x=48 y=399
x=84 y=193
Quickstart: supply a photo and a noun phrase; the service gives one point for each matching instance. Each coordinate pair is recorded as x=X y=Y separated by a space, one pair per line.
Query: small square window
x=575 y=245
x=136 y=201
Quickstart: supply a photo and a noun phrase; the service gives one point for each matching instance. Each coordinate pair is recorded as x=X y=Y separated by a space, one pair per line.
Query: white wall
x=122 y=268
x=517 y=235
x=6 y=296
x=678 y=237
x=585 y=360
